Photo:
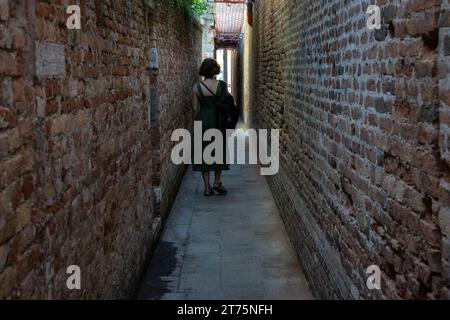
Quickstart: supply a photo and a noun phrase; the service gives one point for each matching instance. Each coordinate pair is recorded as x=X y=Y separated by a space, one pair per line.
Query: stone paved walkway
x=232 y=247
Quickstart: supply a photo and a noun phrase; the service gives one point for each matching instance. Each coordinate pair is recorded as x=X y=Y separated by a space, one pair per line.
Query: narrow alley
x=93 y=205
x=225 y=248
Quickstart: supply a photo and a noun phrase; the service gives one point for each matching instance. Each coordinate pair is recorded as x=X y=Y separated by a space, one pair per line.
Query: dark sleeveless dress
x=208 y=115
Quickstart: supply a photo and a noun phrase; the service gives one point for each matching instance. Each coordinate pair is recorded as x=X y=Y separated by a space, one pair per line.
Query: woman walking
x=205 y=94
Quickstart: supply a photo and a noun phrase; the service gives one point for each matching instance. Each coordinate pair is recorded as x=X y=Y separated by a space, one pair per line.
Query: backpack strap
x=214 y=95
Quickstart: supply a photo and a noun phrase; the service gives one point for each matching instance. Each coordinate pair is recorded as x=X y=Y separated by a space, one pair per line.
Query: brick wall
x=179 y=42
x=443 y=64
x=365 y=173
x=76 y=148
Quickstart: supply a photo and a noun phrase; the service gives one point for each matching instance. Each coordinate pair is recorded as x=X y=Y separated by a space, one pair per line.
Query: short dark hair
x=209 y=68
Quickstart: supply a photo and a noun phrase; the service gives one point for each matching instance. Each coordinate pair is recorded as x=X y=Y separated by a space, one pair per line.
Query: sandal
x=220 y=189
x=209 y=193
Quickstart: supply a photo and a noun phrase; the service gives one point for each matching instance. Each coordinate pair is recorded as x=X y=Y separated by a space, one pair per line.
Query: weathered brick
x=382 y=106
x=8 y=64
x=23 y=216
x=4 y=10
x=444 y=219
x=3 y=255
x=19 y=39
x=7 y=279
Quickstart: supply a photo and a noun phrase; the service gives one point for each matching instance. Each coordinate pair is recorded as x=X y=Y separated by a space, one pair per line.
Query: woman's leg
x=218 y=187
x=205 y=175
x=218 y=177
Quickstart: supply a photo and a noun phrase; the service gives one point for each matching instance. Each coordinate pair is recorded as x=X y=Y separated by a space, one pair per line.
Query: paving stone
x=200 y=282
x=215 y=295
